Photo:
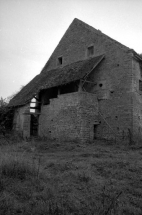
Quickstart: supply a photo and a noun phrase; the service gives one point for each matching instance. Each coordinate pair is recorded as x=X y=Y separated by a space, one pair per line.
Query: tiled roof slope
x=59 y=76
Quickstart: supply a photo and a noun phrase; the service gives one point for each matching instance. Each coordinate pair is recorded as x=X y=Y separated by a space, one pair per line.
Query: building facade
x=91 y=87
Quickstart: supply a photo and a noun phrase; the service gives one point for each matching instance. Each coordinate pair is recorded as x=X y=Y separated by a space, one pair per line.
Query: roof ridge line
x=103 y=34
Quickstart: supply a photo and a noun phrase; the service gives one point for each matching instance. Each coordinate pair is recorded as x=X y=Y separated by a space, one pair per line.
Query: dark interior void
x=47 y=94
x=60 y=60
x=34 y=125
x=69 y=88
x=95 y=131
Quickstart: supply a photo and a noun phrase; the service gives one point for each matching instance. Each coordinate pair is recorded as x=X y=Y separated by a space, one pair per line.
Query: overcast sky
x=31 y=29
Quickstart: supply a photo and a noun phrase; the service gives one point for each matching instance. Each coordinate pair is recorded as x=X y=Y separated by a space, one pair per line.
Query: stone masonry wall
x=137 y=100
x=114 y=73
x=21 y=121
x=69 y=117
x=113 y=80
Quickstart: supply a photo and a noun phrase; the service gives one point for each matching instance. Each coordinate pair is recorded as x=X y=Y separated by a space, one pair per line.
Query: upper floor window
x=60 y=61
x=90 y=51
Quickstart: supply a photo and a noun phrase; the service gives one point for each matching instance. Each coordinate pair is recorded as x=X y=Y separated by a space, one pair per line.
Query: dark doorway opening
x=34 y=125
x=95 y=131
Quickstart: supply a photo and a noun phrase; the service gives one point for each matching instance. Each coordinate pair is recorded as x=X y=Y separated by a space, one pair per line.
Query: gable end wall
x=113 y=98
x=114 y=72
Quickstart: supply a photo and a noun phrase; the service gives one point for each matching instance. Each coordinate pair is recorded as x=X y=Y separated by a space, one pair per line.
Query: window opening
x=95 y=131
x=90 y=51
x=60 y=60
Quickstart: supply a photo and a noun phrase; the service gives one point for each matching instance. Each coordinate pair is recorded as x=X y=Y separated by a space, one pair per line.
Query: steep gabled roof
x=56 y=77
x=100 y=33
x=78 y=24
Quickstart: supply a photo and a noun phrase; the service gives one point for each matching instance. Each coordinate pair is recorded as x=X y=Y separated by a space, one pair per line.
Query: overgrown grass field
x=67 y=178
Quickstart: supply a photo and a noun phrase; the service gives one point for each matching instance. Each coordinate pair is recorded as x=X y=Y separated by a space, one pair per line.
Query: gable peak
x=99 y=32
x=80 y=22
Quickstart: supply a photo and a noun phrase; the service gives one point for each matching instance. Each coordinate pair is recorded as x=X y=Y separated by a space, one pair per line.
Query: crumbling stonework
x=69 y=117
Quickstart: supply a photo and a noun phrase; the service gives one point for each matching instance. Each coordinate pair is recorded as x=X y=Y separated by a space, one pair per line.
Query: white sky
x=31 y=29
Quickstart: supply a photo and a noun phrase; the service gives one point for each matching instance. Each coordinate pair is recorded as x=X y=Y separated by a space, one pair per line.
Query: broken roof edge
x=37 y=83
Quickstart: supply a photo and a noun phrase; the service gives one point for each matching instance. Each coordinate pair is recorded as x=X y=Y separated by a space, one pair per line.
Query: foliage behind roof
x=56 y=77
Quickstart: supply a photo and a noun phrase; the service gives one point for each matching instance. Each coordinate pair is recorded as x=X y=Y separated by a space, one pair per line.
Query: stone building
x=91 y=87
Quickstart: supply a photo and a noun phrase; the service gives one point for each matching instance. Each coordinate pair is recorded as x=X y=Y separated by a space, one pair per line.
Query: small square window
x=140 y=85
x=60 y=60
x=90 y=51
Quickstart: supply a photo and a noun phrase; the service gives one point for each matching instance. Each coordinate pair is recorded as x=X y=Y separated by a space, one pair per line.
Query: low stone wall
x=69 y=117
